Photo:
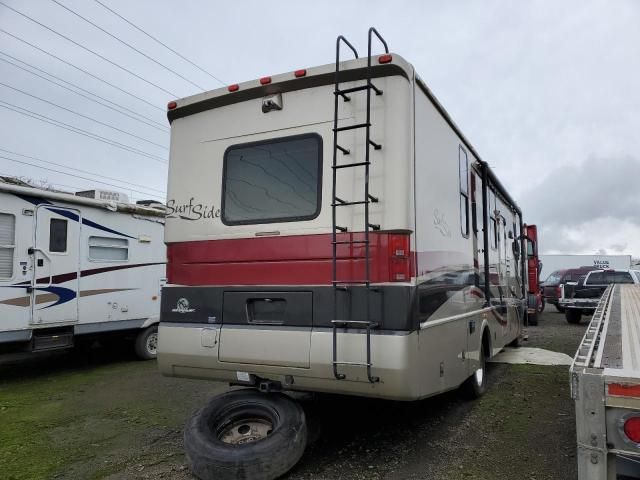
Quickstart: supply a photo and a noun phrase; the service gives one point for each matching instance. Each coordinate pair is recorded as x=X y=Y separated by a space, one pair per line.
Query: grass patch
x=51 y=421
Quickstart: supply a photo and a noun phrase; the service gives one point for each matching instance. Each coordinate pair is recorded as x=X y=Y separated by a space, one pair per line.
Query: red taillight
x=300 y=73
x=399 y=258
x=265 y=80
x=385 y=58
x=171 y=105
x=233 y=88
x=632 y=429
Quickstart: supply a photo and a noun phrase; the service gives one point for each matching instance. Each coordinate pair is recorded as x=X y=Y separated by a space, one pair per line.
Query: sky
x=546 y=91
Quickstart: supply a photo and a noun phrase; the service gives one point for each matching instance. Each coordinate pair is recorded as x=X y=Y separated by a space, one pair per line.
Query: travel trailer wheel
x=147 y=343
x=245 y=434
x=476 y=384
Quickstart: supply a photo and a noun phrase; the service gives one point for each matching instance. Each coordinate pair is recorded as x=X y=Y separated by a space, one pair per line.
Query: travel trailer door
x=56 y=258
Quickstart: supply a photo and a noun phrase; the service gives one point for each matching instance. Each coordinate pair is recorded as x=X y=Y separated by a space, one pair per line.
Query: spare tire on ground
x=245 y=434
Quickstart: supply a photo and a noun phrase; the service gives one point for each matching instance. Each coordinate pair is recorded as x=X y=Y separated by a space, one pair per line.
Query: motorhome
x=333 y=230
x=72 y=266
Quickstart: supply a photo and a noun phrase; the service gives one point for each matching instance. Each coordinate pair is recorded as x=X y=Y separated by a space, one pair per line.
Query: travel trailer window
x=7 y=244
x=463 y=171
x=275 y=180
x=58 y=235
x=108 y=249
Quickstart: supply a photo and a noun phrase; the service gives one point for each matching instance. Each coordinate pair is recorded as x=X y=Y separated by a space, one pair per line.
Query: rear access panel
x=267 y=328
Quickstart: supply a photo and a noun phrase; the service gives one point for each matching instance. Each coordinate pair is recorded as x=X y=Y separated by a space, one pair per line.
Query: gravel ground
x=108 y=416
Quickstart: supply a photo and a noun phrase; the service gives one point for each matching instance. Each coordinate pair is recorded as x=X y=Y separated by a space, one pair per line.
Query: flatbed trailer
x=605 y=384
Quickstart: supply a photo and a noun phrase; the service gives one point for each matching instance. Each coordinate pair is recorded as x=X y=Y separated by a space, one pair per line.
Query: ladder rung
x=376 y=89
x=376 y=146
x=348 y=165
x=352 y=89
x=374 y=226
x=359 y=322
x=345 y=151
x=351 y=127
x=356 y=364
x=344 y=204
x=349 y=242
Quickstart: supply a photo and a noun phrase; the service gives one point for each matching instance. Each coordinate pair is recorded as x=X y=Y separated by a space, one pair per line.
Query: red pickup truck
x=551 y=286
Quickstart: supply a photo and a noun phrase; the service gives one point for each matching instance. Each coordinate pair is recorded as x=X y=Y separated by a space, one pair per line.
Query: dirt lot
x=105 y=415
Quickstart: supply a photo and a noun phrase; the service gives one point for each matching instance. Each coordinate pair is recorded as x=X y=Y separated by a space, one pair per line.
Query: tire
x=573 y=316
x=220 y=446
x=533 y=319
x=146 y=346
x=559 y=308
x=475 y=386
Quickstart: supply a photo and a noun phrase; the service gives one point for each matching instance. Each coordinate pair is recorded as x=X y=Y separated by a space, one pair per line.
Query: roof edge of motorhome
x=350 y=70
x=71 y=198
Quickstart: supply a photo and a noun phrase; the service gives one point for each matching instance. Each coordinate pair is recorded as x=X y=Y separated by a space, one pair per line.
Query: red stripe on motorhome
x=290 y=260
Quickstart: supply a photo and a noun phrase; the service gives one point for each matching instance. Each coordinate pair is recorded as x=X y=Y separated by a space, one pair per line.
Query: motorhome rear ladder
x=343 y=285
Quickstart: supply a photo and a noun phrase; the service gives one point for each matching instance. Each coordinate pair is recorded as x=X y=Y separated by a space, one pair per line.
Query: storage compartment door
x=266 y=328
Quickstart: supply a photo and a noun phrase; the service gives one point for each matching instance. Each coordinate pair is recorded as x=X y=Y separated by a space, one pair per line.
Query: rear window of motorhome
x=276 y=180
x=7 y=245
x=58 y=235
x=108 y=249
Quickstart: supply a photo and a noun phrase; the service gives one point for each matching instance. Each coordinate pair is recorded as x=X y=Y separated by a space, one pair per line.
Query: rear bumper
x=579 y=304
x=194 y=351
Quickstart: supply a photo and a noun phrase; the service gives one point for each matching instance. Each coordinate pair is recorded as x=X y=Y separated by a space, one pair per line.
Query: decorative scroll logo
x=440 y=223
x=183 y=306
x=191 y=211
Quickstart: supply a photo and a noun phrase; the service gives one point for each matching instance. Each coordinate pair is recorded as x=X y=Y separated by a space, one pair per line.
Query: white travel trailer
x=71 y=266
x=332 y=230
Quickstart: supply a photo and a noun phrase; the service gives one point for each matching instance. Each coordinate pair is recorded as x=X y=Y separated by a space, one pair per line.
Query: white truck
x=552 y=263
x=605 y=384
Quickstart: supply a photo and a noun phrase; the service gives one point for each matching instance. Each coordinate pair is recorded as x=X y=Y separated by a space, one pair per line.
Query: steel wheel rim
x=246 y=430
x=152 y=343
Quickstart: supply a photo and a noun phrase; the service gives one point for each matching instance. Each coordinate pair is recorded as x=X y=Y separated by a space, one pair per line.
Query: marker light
x=385 y=58
x=632 y=429
x=300 y=73
x=624 y=390
x=171 y=105
x=265 y=80
x=233 y=88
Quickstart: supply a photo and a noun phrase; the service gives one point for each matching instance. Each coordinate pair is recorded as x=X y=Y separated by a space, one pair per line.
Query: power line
x=87 y=49
x=158 y=41
x=80 y=69
x=82 y=171
x=79 y=131
x=150 y=123
x=83 y=116
x=127 y=44
x=76 y=176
